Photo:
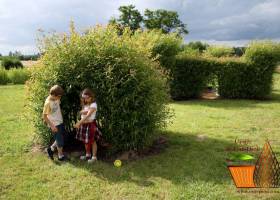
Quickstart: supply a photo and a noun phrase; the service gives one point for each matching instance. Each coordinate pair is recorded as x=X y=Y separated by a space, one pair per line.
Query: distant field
x=29 y=63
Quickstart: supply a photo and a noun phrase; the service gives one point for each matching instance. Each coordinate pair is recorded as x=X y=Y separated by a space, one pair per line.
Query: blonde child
x=86 y=127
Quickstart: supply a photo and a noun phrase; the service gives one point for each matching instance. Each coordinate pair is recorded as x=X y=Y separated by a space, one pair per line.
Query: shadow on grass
x=186 y=159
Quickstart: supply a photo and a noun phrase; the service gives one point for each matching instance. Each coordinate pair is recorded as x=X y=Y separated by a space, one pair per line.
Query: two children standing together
x=86 y=127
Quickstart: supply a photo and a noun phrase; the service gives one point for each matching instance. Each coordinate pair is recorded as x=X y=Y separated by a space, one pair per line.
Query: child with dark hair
x=87 y=127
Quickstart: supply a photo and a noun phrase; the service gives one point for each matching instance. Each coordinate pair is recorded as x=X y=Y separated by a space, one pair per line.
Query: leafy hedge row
x=249 y=77
x=190 y=75
x=238 y=79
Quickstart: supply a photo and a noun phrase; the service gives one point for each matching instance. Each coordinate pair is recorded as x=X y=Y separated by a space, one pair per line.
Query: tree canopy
x=130 y=17
x=164 y=20
x=167 y=21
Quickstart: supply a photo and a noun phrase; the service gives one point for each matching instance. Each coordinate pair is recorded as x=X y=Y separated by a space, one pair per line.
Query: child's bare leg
x=54 y=146
x=94 y=149
x=87 y=147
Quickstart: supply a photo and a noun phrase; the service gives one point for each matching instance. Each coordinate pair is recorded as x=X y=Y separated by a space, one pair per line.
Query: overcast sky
x=231 y=22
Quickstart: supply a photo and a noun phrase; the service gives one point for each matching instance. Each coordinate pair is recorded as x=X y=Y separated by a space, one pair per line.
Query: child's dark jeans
x=58 y=136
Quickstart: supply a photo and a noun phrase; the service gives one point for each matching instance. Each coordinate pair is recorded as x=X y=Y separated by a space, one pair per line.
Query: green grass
x=190 y=168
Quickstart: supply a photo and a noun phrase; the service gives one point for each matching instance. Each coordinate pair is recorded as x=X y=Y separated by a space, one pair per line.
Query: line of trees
x=20 y=56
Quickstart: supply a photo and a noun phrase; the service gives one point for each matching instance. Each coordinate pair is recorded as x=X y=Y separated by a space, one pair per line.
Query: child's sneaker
x=85 y=157
x=63 y=158
x=50 y=153
x=92 y=160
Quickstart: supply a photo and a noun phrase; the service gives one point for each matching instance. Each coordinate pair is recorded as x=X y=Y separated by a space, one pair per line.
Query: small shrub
x=239 y=51
x=18 y=76
x=11 y=62
x=3 y=76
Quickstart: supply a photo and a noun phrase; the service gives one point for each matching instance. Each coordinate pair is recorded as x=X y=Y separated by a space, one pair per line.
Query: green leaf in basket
x=246 y=157
x=243 y=157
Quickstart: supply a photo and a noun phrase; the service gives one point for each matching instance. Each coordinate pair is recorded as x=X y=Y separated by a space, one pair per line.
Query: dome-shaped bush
x=130 y=88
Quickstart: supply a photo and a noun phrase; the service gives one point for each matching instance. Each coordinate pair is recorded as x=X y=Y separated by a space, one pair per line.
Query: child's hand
x=54 y=129
x=83 y=112
x=77 y=125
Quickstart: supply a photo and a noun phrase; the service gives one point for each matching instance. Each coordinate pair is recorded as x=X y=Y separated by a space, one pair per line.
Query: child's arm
x=46 y=119
x=46 y=111
x=91 y=110
x=83 y=112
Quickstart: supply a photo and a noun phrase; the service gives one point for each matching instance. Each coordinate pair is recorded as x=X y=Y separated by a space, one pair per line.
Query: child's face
x=87 y=99
x=56 y=97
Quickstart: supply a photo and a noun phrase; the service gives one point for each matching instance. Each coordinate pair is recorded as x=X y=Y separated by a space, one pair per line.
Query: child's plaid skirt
x=86 y=133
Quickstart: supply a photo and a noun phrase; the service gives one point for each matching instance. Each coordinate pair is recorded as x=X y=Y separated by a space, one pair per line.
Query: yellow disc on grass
x=118 y=163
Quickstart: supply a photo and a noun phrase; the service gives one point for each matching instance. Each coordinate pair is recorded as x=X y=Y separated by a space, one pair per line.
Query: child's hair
x=87 y=93
x=56 y=90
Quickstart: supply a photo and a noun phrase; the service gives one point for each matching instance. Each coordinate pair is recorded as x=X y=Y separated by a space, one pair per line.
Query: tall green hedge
x=253 y=77
x=249 y=77
x=190 y=76
x=131 y=90
x=238 y=79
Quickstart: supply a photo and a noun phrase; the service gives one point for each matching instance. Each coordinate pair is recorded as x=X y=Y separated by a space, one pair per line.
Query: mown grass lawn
x=192 y=167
